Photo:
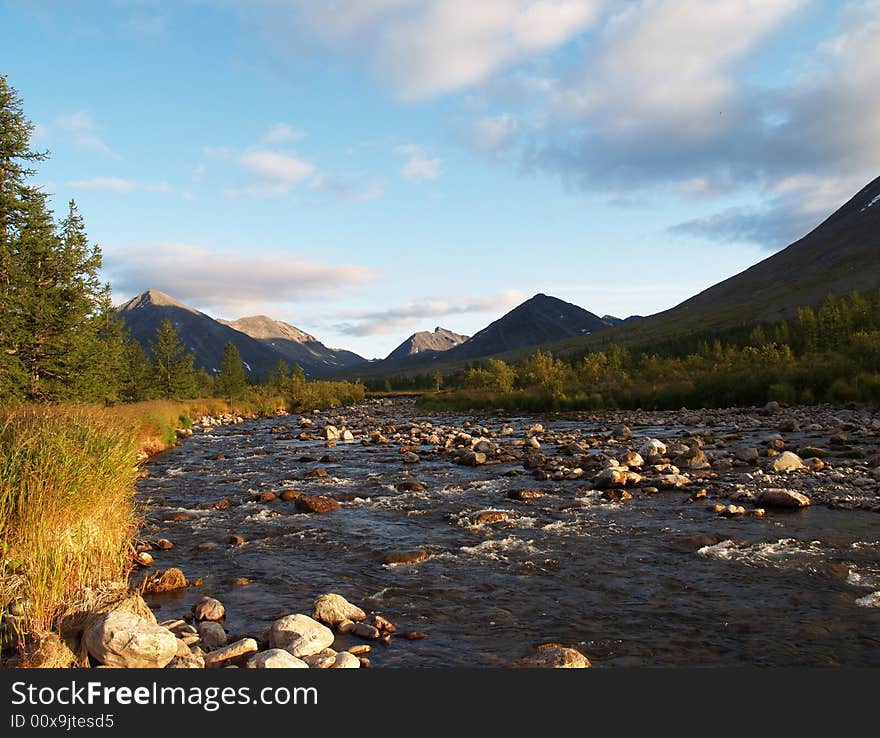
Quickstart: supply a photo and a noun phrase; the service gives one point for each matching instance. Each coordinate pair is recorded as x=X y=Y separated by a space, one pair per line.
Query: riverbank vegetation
x=827 y=355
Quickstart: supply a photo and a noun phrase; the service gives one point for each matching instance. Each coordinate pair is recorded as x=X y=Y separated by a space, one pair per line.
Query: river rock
x=228 y=654
x=777 y=497
x=489 y=516
x=123 y=640
x=331 y=609
x=324 y=659
x=406 y=557
x=212 y=635
x=670 y=481
x=187 y=661
x=611 y=477
x=275 y=658
x=300 y=635
x=347 y=436
x=208 y=608
x=524 y=494
x=471 y=458
x=556 y=657
x=331 y=433
x=411 y=486
x=622 y=433
x=787 y=461
x=164 y=581
x=365 y=630
x=411 y=458
x=652 y=449
x=346 y=660
x=748 y=454
x=632 y=460
x=316 y=503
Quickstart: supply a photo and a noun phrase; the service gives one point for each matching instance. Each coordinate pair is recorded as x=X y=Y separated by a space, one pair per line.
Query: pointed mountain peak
x=154 y=298
x=442 y=339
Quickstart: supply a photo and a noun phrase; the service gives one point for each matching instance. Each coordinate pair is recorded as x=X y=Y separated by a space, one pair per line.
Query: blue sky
x=367 y=168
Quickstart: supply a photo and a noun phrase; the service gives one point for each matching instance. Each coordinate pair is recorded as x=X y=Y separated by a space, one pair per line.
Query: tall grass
x=67 y=514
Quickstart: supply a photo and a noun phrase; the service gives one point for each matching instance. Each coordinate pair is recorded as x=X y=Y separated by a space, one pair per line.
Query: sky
x=364 y=169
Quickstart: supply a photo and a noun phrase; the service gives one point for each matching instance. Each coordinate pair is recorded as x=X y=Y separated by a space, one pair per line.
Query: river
x=652 y=581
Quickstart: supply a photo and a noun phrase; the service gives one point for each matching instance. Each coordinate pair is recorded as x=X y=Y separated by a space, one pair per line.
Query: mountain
x=440 y=340
x=202 y=335
x=295 y=345
x=839 y=256
x=539 y=320
x=536 y=322
x=261 y=341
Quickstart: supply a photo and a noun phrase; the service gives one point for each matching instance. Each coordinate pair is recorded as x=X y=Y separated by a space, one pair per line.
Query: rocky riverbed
x=724 y=537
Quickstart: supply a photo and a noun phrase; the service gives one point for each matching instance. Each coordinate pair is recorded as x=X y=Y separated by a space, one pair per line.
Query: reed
x=67 y=512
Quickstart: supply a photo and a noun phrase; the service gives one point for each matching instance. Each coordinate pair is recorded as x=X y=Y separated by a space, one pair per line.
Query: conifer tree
x=173 y=372
x=279 y=376
x=137 y=373
x=231 y=380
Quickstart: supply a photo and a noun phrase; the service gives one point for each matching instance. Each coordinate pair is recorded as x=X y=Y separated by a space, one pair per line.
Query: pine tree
x=137 y=372
x=279 y=377
x=57 y=336
x=173 y=372
x=231 y=380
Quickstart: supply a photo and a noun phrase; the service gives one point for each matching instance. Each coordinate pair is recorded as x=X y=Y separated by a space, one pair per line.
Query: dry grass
x=67 y=514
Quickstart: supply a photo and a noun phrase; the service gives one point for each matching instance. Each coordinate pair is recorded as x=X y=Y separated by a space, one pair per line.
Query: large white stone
x=331 y=609
x=652 y=449
x=124 y=640
x=300 y=635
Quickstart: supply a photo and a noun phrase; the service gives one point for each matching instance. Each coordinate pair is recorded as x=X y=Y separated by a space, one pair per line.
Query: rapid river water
x=653 y=581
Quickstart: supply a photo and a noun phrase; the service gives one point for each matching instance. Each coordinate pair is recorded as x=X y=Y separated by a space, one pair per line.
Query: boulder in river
x=316 y=503
x=212 y=635
x=300 y=635
x=778 y=497
x=164 y=581
x=652 y=449
x=553 y=656
x=406 y=557
x=787 y=461
x=208 y=608
x=614 y=476
x=331 y=609
x=124 y=640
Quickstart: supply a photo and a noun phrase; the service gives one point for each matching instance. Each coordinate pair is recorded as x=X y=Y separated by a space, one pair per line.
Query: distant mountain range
x=839 y=256
x=418 y=343
x=539 y=320
x=260 y=341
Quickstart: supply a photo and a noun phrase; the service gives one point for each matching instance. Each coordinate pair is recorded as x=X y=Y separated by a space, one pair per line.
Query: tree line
x=829 y=354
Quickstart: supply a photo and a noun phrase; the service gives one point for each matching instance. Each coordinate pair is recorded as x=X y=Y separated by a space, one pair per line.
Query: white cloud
x=405 y=316
x=119 y=185
x=82 y=130
x=275 y=166
x=282 y=133
x=418 y=167
x=230 y=282
x=430 y=47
